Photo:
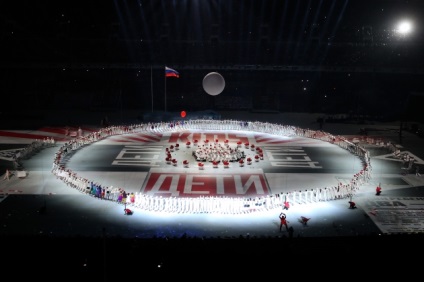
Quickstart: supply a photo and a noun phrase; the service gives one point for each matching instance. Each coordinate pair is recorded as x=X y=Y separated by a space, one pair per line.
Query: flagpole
x=165 y=92
x=151 y=84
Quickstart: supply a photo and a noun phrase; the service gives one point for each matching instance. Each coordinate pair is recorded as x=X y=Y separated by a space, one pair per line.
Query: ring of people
x=215 y=166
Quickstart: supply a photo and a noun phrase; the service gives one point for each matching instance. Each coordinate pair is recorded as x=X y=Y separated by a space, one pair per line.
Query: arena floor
x=136 y=163
x=41 y=204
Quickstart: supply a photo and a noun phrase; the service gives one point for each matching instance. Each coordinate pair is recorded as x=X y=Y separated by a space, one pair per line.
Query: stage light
x=404 y=27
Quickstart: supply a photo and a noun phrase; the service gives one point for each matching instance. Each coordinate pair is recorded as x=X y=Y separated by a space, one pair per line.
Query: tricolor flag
x=171 y=72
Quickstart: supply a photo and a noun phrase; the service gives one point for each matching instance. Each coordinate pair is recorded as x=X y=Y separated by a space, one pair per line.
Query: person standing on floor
x=286 y=205
x=283 y=221
x=124 y=197
x=378 y=190
x=7 y=175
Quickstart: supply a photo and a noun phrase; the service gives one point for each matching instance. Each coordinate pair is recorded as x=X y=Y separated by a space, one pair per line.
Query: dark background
x=331 y=57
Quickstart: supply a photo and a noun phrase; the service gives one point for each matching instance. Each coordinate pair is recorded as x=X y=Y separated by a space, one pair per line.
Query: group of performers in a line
x=211 y=204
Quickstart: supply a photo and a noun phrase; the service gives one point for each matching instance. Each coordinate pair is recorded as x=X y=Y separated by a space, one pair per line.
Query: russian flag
x=171 y=72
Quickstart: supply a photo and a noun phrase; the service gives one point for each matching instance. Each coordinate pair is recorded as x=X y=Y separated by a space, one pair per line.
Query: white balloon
x=213 y=83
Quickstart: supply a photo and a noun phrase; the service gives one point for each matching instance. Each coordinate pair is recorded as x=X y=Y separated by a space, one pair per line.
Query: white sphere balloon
x=213 y=83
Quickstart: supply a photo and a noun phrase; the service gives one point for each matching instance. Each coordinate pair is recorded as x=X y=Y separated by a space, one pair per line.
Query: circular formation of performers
x=211 y=152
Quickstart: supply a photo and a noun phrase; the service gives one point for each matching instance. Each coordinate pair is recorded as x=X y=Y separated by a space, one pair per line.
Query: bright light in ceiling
x=404 y=27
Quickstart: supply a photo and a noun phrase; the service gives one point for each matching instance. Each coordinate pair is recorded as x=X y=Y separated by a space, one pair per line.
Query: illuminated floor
x=69 y=212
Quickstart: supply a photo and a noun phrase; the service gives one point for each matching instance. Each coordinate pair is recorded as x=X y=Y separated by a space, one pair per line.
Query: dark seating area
x=89 y=257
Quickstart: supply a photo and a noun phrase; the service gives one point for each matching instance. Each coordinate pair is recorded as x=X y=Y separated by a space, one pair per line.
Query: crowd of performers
x=210 y=204
x=218 y=153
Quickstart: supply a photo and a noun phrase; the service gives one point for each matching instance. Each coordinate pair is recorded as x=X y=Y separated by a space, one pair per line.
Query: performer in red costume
x=378 y=190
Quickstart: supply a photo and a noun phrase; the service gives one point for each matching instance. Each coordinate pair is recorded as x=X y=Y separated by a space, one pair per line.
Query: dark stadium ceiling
x=322 y=35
